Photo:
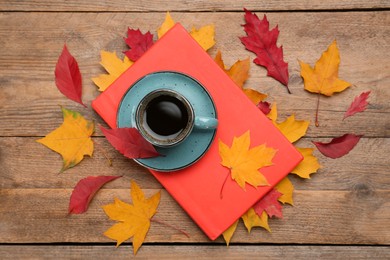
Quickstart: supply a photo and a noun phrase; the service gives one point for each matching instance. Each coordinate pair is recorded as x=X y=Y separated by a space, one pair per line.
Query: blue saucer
x=197 y=143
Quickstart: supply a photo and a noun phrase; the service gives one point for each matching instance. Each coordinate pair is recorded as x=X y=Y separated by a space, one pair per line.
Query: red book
x=197 y=188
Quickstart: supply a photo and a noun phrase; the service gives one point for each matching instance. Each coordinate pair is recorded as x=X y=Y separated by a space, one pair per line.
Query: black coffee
x=166 y=115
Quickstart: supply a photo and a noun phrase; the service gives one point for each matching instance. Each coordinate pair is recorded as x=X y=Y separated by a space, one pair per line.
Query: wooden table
x=342 y=211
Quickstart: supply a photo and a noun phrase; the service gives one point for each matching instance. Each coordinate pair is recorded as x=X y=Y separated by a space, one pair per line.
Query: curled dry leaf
x=339 y=146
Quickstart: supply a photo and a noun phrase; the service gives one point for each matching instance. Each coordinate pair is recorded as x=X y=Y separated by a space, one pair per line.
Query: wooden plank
x=31 y=43
x=319 y=217
x=177 y=5
x=197 y=251
x=27 y=164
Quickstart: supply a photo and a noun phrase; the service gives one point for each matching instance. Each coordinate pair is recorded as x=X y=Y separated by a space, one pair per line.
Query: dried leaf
x=138 y=43
x=251 y=219
x=85 y=190
x=262 y=42
x=166 y=25
x=114 y=66
x=204 y=36
x=359 y=104
x=270 y=204
x=244 y=162
x=308 y=165
x=264 y=107
x=293 y=129
x=339 y=146
x=130 y=143
x=286 y=188
x=68 y=76
x=228 y=233
x=134 y=220
x=72 y=139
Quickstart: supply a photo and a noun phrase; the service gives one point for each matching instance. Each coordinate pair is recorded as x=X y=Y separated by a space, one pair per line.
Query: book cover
x=197 y=187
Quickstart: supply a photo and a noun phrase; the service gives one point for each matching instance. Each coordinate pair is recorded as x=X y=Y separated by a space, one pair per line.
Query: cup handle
x=205 y=123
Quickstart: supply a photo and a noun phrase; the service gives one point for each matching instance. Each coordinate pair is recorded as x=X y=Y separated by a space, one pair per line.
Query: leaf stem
x=154 y=219
x=318 y=106
x=223 y=185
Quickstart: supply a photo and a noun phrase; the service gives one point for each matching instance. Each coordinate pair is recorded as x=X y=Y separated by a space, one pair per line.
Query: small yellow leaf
x=293 y=129
x=286 y=188
x=323 y=79
x=114 y=67
x=166 y=25
x=204 y=36
x=72 y=139
x=228 y=234
x=134 y=220
x=244 y=162
x=251 y=219
x=308 y=165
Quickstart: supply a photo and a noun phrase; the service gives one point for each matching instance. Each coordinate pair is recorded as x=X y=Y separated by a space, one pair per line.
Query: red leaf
x=130 y=143
x=139 y=43
x=339 y=146
x=359 y=104
x=262 y=42
x=68 y=76
x=85 y=190
x=270 y=204
x=264 y=107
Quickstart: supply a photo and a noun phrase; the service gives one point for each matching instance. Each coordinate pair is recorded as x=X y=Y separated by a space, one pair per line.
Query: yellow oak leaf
x=204 y=36
x=239 y=73
x=134 y=220
x=228 y=233
x=251 y=219
x=114 y=67
x=308 y=165
x=166 y=25
x=244 y=162
x=286 y=188
x=72 y=139
x=323 y=78
x=293 y=129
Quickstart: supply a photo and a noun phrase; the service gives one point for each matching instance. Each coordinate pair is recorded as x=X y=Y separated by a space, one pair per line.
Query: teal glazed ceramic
x=196 y=144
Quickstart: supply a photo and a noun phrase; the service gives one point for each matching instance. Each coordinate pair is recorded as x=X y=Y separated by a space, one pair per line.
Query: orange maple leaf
x=134 y=220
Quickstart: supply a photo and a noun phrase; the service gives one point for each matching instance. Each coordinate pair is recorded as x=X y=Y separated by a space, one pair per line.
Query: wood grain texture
x=268 y=252
x=318 y=217
x=26 y=66
x=178 y=5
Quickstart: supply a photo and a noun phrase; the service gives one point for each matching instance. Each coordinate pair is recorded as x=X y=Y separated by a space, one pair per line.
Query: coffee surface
x=166 y=115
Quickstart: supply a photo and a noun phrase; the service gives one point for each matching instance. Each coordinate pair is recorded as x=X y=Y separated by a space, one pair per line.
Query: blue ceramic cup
x=165 y=118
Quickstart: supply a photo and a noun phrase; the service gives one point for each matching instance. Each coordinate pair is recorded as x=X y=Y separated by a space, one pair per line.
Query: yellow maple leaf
x=251 y=219
x=166 y=25
x=244 y=162
x=228 y=233
x=286 y=188
x=204 y=36
x=293 y=129
x=323 y=78
x=239 y=73
x=308 y=165
x=114 y=67
x=134 y=220
x=72 y=139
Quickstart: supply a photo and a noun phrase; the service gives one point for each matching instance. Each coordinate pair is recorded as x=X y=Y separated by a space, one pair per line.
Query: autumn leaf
x=134 y=219
x=273 y=114
x=244 y=162
x=114 y=67
x=251 y=219
x=129 y=142
x=228 y=233
x=68 y=76
x=264 y=107
x=293 y=129
x=138 y=43
x=72 y=139
x=239 y=73
x=308 y=165
x=323 y=78
x=270 y=204
x=286 y=188
x=204 y=36
x=339 y=146
x=85 y=190
x=166 y=25
x=262 y=41
x=359 y=104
